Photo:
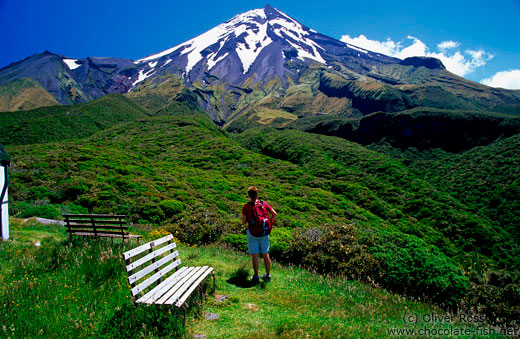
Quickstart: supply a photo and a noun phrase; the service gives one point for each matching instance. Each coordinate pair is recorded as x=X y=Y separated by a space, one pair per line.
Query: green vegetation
x=67 y=122
x=157 y=93
x=367 y=95
x=485 y=179
x=71 y=289
x=344 y=209
x=388 y=189
x=24 y=94
x=260 y=117
x=79 y=289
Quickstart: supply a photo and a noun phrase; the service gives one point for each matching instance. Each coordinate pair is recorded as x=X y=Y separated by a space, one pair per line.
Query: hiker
x=256 y=214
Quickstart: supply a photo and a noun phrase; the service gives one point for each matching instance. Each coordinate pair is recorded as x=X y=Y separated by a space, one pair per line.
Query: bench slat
x=94 y=215
x=194 y=286
x=186 y=285
x=150 y=256
x=174 y=288
x=158 y=291
x=117 y=235
x=173 y=291
x=74 y=231
x=109 y=227
x=147 y=246
x=150 y=268
x=139 y=288
x=97 y=221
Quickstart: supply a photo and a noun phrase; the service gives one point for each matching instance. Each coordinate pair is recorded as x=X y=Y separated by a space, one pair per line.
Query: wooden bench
x=155 y=277
x=98 y=225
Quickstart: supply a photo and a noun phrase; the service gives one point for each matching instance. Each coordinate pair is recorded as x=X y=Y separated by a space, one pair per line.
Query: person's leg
x=264 y=249
x=254 y=249
x=254 y=258
x=267 y=263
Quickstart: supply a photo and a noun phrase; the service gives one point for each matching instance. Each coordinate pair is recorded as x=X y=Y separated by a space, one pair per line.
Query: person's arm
x=273 y=218
x=244 y=214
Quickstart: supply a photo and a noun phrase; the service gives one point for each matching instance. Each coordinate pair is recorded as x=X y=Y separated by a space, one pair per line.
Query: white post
x=5 y=211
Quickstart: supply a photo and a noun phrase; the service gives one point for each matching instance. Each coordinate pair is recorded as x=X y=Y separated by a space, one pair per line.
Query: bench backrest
x=96 y=223
x=151 y=263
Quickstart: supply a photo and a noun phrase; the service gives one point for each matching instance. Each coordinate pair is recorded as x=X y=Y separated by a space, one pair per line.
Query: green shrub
x=331 y=248
x=498 y=297
x=297 y=204
x=280 y=240
x=151 y=212
x=72 y=209
x=399 y=262
x=410 y=265
x=238 y=241
x=201 y=226
x=25 y=210
x=171 y=207
x=70 y=190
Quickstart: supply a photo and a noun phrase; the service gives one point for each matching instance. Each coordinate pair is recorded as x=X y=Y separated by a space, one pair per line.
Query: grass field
x=79 y=289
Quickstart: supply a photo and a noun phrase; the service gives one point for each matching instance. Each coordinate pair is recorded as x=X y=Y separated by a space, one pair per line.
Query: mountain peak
x=245 y=36
x=271 y=11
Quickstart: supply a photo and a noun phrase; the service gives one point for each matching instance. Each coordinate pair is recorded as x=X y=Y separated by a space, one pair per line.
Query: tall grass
x=73 y=289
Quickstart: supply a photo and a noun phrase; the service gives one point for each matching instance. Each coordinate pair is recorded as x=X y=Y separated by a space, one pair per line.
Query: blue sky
x=477 y=39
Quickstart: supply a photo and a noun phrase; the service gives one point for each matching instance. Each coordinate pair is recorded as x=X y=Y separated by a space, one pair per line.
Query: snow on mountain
x=250 y=33
x=262 y=57
x=142 y=76
x=72 y=64
x=290 y=29
x=253 y=47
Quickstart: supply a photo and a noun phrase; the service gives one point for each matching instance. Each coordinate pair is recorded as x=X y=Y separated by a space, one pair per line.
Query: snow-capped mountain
x=258 y=60
x=255 y=44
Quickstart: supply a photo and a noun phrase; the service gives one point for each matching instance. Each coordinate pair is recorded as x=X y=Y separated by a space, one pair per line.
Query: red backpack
x=259 y=224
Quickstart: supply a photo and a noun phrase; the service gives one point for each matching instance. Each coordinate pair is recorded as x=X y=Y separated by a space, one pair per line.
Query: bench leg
x=201 y=298
x=214 y=283
x=184 y=309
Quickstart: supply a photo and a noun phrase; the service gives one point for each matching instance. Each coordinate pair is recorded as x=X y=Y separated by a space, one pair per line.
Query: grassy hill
x=80 y=289
x=388 y=189
x=24 y=94
x=157 y=93
x=55 y=123
x=343 y=208
x=485 y=178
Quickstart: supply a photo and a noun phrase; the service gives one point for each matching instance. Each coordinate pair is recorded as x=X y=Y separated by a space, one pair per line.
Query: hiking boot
x=266 y=277
x=255 y=279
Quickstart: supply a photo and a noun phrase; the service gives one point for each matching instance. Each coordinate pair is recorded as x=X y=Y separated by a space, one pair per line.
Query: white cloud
x=387 y=47
x=457 y=62
x=506 y=79
x=448 y=44
x=417 y=48
x=460 y=63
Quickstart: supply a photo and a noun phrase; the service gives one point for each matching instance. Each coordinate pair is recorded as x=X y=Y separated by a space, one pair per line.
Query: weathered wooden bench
x=155 y=277
x=98 y=225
